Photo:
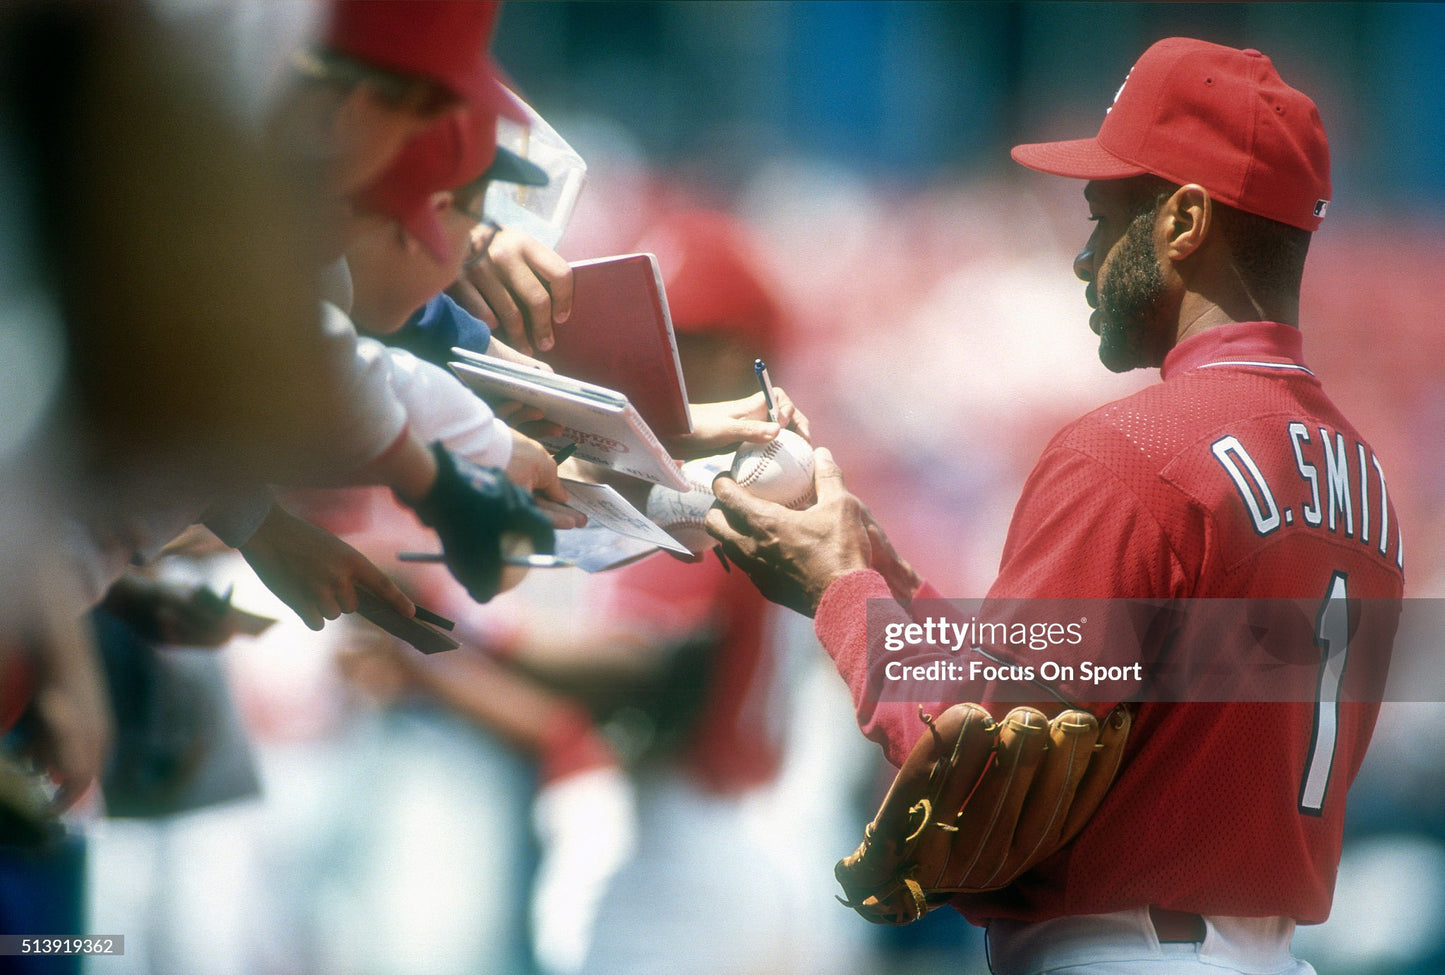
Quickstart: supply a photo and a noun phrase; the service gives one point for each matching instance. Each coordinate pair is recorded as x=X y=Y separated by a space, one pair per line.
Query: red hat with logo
x=1195 y=112
x=458 y=149
x=445 y=40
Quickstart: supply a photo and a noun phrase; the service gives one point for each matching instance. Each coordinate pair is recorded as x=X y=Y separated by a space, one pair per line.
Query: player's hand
x=313 y=571
x=720 y=427
x=518 y=284
x=903 y=581
x=533 y=469
x=793 y=556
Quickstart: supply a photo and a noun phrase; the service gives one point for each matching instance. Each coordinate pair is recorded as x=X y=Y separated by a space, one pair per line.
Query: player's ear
x=1188 y=220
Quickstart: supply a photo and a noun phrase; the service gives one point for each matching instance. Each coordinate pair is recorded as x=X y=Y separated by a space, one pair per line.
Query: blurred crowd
x=643 y=769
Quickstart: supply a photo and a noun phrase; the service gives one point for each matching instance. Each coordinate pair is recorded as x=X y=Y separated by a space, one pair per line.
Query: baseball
x=780 y=471
x=681 y=513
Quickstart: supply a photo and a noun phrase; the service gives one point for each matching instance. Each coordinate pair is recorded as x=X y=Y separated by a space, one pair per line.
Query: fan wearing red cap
x=412 y=76
x=442 y=41
x=411 y=235
x=385 y=70
x=1234 y=478
x=415 y=220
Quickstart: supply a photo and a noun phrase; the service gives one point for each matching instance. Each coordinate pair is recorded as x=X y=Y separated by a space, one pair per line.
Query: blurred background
x=936 y=337
x=927 y=275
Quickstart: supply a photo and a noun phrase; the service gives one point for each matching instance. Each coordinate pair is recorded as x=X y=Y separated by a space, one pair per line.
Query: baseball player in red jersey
x=1235 y=477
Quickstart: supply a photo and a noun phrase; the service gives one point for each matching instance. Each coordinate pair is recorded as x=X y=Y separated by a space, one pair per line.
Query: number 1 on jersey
x=1332 y=635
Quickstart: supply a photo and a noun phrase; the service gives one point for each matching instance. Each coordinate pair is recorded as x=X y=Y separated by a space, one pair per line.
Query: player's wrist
x=822 y=582
x=853 y=588
x=410 y=468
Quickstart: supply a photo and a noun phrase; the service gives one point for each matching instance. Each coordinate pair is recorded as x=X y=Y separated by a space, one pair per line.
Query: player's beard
x=1131 y=296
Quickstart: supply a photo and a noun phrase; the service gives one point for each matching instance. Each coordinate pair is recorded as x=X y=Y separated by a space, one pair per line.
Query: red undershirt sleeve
x=841 y=624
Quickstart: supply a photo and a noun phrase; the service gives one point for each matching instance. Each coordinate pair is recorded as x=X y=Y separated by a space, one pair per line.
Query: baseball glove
x=977 y=803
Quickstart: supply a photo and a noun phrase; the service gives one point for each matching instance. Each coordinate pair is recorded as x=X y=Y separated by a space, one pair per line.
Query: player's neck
x=1214 y=292
x=1200 y=311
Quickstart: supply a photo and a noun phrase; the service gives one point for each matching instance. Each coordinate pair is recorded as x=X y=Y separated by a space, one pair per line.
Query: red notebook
x=619 y=335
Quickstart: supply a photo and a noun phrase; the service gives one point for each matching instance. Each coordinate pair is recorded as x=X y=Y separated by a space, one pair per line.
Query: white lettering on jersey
x=1384 y=507
x=1252 y=488
x=1337 y=479
x=1328 y=489
x=1298 y=435
x=1364 y=496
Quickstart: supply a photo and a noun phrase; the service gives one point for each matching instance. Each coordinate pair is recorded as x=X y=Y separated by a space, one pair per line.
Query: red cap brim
x=1075 y=158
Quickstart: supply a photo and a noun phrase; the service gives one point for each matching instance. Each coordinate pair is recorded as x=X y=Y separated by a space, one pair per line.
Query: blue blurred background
x=910 y=92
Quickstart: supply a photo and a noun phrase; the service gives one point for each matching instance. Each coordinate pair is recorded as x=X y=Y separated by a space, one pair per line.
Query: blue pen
x=761 y=368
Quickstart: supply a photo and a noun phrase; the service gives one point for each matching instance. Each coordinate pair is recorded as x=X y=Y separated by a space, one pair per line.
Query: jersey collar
x=1264 y=344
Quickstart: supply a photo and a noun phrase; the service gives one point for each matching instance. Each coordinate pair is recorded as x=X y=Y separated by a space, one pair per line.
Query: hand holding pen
x=769 y=396
x=720 y=427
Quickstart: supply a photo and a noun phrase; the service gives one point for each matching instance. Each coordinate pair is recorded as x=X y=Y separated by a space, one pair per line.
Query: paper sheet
x=605 y=507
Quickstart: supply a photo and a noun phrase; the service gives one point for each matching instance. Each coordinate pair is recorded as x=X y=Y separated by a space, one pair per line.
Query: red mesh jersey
x=1235 y=477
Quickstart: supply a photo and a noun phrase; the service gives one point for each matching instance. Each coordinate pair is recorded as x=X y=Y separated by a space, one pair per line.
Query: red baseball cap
x=445 y=40
x=459 y=148
x=712 y=277
x=1195 y=112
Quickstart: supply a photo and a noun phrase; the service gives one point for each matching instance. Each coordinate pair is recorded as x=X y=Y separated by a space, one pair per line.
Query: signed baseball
x=681 y=513
x=780 y=470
